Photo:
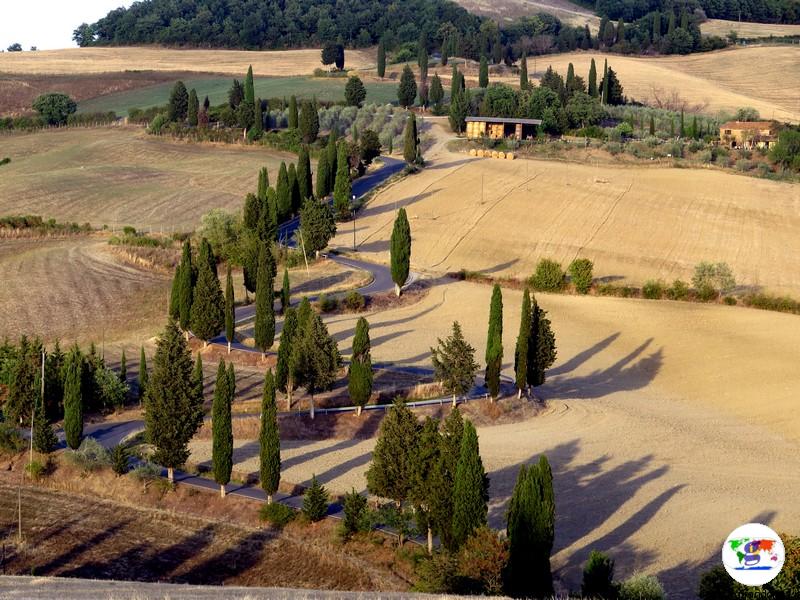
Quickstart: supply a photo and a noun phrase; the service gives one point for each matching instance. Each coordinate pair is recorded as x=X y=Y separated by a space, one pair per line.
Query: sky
x=48 y=24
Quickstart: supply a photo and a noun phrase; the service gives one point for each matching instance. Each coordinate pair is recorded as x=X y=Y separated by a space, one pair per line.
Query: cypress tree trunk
x=171 y=474
x=430 y=541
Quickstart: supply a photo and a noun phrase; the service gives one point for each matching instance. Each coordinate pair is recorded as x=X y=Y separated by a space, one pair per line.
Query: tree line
x=774 y=11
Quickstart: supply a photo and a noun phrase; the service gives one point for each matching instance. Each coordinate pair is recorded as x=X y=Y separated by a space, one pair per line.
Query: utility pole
x=354 y=223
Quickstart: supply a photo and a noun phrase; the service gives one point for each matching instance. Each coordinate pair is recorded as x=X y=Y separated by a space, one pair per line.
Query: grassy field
x=122 y=176
x=216 y=88
x=230 y=62
x=507 y=10
x=745 y=29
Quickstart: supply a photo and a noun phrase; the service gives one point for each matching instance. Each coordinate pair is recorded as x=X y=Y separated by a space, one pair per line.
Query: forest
x=761 y=11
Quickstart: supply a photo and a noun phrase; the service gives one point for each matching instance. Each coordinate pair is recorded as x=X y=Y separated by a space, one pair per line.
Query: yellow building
x=748 y=134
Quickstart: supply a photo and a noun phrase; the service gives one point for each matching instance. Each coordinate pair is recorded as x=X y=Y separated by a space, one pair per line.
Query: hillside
x=506 y=10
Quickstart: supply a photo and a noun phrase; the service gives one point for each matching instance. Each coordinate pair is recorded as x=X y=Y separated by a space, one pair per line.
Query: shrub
x=614 y=148
x=706 y=156
x=580 y=272
x=437 y=574
x=675 y=149
x=355 y=507
x=10 y=439
x=5 y=161
x=619 y=291
x=111 y=390
x=35 y=469
x=598 y=577
x=678 y=291
x=716 y=584
x=276 y=514
x=729 y=300
x=119 y=456
x=549 y=277
x=706 y=293
x=157 y=124
x=146 y=472
x=326 y=303
x=354 y=301
x=744 y=165
x=315 y=501
x=653 y=289
x=769 y=302
x=696 y=145
x=641 y=587
x=481 y=562
x=716 y=276
x=89 y=456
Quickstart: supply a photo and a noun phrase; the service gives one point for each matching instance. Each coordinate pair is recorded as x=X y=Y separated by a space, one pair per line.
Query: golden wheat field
x=635 y=223
x=233 y=62
x=120 y=176
x=746 y=29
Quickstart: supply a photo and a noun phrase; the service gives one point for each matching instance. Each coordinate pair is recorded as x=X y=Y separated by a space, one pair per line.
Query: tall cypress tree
x=175 y=294
x=683 y=126
x=604 y=94
x=186 y=287
x=230 y=310
x=400 y=250
x=193 y=108
x=391 y=473
x=524 y=82
x=284 y=194
x=293 y=116
x=593 y=80
x=143 y=376
x=442 y=496
x=178 y=105
x=251 y=212
x=470 y=488
x=323 y=176
x=284 y=370
x=359 y=374
x=309 y=122
x=458 y=110
x=265 y=304
x=304 y=174
x=294 y=189
x=258 y=120
x=269 y=440
x=332 y=151
x=494 y=343
x=123 y=368
x=268 y=218
x=44 y=438
x=174 y=406
x=407 y=90
x=208 y=306
x=652 y=125
x=342 y=188
x=541 y=346
x=286 y=291
x=197 y=375
x=411 y=143
x=483 y=72
x=381 y=59
x=656 y=27
x=73 y=400
x=263 y=183
x=428 y=486
x=222 y=429
x=249 y=90
x=523 y=340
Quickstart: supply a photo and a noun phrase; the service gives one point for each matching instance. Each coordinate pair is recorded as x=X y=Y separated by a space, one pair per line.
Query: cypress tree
x=683 y=126
x=332 y=151
x=671 y=24
x=251 y=213
x=44 y=438
x=249 y=90
x=694 y=131
x=411 y=143
x=470 y=488
x=73 y=400
x=494 y=343
x=604 y=98
x=304 y=313
x=407 y=90
x=286 y=291
x=524 y=82
x=317 y=226
x=593 y=80
x=269 y=440
x=178 y=104
x=541 y=346
x=265 y=304
x=197 y=375
x=523 y=341
x=123 y=368
x=309 y=122
x=652 y=125
x=284 y=370
x=672 y=127
x=428 y=486
x=185 y=287
x=284 y=194
x=454 y=363
x=222 y=429
x=442 y=495
x=193 y=108
x=359 y=374
x=143 y=376
x=304 y=174
x=381 y=59
x=391 y=473
x=174 y=295
x=258 y=120
x=315 y=357
x=268 y=218
x=293 y=119
x=458 y=111
x=174 y=406
x=323 y=176
x=400 y=250
x=208 y=307
x=483 y=72
x=437 y=91
x=656 y=27
x=620 y=31
x=230 y=310
x=342 y=188
x=294 y=188
x=422 y=56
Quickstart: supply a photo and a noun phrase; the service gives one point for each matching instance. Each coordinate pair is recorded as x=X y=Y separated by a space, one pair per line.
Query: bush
x=277 y=514
x=481 y=562
x=675 y=149
x=619 y=291
x=315 y=501
x=112 y=391
x=437 y=574
x=598 y=577
x=35 y=470
x=653 y=289
x=678 y=291
x=706 y=293
x=146 y=472
x=716 y=276
x=10 y=439
x=5 y=161
x=158 y=123
x=716 y=584
x=769 y=302
x=89 y=456
x=614 y=148
x=355 y=507
x=549 y=277
x=729 y=300
x=744 y=165
x=580 y=272
x=326 y=303
x=641 y=587
x=119 y=456
x=354 y=301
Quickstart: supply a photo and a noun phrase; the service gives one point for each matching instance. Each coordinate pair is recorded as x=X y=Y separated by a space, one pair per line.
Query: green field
x=216 y=88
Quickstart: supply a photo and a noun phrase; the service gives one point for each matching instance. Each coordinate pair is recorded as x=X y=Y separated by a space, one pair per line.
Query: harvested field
x=746 y=29
x=635 y=223
x=230 y=62
x=77 y=290
x=703 y=397
x=508 y=10
x=120 y=176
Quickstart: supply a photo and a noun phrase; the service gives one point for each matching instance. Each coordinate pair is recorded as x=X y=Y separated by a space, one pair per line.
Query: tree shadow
x=55 y=564
x=580 y=358
x=447 y=165
x=373 y=210
x=232 y=562
x=376 y=246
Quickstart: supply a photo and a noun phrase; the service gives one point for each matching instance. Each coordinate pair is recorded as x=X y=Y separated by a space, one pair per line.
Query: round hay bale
x=494 y=153
x=481 y=153
x=501 y=155
x=509 y=156
x=473 y=152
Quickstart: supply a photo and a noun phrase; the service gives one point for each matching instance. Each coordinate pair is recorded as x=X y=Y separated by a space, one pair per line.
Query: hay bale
x=501 y=155
x=494 y=153
x=509 y=156
x=473 y=152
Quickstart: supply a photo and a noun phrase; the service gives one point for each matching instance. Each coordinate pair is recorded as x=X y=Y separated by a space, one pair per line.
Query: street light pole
x=354 y=223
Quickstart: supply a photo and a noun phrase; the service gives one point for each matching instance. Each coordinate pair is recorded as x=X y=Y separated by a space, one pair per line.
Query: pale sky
x=48 y=24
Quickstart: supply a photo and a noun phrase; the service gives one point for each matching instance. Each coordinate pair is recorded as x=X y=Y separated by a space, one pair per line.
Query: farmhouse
x=748 y=134
x=498 y=128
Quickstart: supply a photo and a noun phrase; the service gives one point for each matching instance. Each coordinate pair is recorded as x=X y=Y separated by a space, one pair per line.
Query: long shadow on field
x=73 y=553
x=587 y=495
x=371 y=211
x=232 y=562
x=632 y=372
x=580 y=358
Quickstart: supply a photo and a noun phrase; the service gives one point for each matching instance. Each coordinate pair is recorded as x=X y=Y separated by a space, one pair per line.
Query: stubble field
x=746 y=29
x=120 y=176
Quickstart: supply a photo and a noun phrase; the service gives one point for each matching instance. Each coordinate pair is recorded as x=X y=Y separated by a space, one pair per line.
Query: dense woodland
x=762 y=11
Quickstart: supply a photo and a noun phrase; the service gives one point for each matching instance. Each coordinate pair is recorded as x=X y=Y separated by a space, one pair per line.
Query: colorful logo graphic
x=753 y=554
